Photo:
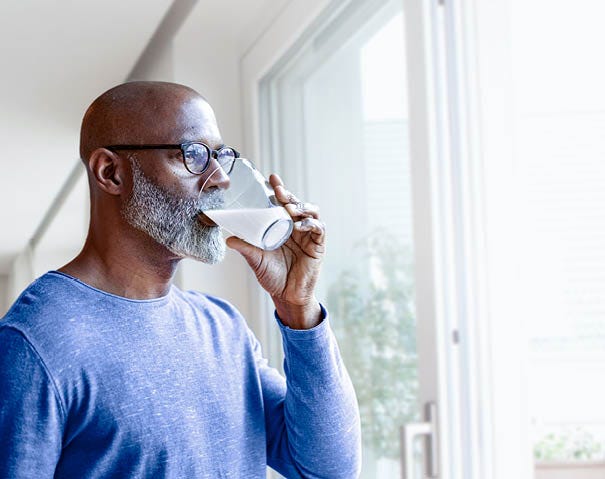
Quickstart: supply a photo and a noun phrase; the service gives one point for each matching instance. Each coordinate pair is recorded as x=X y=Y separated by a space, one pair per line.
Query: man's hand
x=289 y=274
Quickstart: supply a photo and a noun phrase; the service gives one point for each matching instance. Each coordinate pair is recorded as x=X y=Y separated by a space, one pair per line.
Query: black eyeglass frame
x=182 y=146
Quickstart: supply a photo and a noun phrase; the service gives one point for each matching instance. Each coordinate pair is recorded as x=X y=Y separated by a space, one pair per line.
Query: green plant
x=570 y=444
x=371 y=305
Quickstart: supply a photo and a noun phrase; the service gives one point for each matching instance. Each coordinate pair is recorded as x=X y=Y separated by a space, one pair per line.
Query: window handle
x=409 y=432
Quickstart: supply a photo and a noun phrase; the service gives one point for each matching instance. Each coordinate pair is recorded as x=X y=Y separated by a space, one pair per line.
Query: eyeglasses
x=196 y=155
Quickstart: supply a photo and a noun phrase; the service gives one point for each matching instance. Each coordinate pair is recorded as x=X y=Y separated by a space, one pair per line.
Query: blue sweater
x=93 y=385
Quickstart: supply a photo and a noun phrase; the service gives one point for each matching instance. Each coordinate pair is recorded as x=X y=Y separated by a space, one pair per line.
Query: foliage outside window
x=568 y=445
x=372 y=311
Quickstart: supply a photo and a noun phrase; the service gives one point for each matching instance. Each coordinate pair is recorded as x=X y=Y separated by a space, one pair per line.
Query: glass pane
x=351 y=138
x=561 y=126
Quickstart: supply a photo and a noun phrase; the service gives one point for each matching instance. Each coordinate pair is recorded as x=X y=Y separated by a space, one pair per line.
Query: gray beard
x=172 y=221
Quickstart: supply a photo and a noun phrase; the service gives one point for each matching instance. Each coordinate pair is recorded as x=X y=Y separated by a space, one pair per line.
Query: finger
x=293 y=205
x=316 y=227
x=284 y=196
x=275 y=180
x=251 y=253
x=308 y=210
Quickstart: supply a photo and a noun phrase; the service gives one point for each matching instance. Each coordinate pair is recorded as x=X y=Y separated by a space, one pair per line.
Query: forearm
x=320 y=409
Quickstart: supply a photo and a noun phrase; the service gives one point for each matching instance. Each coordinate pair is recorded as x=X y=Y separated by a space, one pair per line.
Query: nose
x=215 y=177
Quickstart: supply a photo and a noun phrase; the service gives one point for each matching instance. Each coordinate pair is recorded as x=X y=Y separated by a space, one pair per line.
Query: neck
x=132 y=266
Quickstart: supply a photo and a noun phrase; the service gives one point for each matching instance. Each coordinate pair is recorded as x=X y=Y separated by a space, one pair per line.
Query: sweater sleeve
x=312 y=423
x=30 y=413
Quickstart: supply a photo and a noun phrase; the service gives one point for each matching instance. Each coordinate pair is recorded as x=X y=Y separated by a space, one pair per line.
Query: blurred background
x=456 y=149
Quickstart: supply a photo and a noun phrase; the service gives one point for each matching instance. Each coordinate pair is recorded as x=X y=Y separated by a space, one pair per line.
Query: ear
x=108 y=170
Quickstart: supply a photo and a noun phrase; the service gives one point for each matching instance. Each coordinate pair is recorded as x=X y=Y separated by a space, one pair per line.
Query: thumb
x=251 y=254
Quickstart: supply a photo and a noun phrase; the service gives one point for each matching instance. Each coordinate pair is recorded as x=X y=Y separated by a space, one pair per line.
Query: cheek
x=169 y=173
x=172 y=177
x=182 y=184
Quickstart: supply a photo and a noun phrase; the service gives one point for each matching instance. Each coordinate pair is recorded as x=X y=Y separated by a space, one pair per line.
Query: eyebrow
x=221 y=145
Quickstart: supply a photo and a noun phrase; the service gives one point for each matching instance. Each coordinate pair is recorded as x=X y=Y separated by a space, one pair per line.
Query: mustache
x=210 y=200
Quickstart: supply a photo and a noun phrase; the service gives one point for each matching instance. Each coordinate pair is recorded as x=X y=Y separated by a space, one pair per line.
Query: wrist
x=299 y=316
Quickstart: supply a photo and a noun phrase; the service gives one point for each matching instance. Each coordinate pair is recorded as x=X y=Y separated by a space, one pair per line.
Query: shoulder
x=46 y=297
x=58 y=315
x=17 y=354
x=21 y=366
x=14 y=345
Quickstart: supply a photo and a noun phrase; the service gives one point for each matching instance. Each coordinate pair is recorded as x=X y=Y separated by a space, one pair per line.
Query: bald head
x=143 y=112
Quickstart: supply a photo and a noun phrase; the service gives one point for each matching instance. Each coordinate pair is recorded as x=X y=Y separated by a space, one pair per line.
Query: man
x=107 y=370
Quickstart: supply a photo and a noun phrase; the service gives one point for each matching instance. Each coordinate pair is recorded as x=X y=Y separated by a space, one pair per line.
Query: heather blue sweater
x=93 y=385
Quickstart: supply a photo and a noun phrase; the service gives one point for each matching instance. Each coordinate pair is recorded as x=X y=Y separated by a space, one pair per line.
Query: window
x=559 y=82
x=340 y=113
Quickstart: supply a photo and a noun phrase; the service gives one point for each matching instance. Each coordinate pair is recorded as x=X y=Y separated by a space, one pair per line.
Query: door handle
x=409 y=432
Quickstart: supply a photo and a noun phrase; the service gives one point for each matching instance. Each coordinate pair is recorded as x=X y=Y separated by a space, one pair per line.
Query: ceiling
x=56 y=58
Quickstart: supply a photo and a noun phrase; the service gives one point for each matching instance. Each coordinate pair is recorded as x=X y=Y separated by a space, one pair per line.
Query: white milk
x=267 y=228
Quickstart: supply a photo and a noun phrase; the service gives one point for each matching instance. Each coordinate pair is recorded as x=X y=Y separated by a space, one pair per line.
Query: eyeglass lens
x=197 y=157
